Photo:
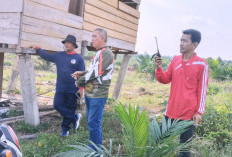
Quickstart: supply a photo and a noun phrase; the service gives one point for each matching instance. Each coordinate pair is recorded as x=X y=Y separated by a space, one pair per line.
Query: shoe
x=76 y=124
x=65 y=133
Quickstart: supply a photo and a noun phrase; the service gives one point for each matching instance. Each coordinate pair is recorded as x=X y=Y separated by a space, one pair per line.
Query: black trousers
x=185 y=137
x=66 y=105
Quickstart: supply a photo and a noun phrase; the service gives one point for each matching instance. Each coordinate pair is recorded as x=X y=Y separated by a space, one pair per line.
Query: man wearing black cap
x=65 y=100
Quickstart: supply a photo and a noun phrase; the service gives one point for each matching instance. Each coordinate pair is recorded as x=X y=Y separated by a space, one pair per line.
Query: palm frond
x=84 y=150
x=163 y=138
x=134 y=129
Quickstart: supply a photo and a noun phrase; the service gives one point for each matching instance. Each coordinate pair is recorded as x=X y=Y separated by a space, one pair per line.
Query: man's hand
x=158 y=62
x=76 y=74
x=197 y=119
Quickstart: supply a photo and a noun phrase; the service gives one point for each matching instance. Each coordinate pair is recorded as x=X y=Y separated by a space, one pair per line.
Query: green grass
x=138 y=89
x=49 y=144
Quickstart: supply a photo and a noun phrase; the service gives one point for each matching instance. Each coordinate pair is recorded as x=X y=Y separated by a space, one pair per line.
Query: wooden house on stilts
x=47 y=22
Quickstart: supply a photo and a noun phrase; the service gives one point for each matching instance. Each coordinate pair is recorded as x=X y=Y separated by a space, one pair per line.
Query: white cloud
x=189 y=20
x=162 y=3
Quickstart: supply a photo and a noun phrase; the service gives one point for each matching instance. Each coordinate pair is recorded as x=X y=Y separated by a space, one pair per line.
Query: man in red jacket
x=188 y=75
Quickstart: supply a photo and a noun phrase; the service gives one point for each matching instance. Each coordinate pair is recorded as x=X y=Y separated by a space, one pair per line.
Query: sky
x=166 y=19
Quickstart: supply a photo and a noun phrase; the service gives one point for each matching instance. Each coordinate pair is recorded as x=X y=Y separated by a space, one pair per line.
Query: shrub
x=217 y=117
x=220 y=138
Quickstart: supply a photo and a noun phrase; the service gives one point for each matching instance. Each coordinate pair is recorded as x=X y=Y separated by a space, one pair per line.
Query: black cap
x=71 y=39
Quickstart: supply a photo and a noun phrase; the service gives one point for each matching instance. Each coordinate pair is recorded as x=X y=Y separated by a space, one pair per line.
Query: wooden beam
x=11 y=6
x=9 y=28
x=46 y=13
x=28 y=90
x=96 y=20
x=121 y=76
x=112 y=10
x=122 y=6
x=56 y=4
x=91 y=27
x=1 y=72
x=84 y=50
x=10 y=50
x=110 y=17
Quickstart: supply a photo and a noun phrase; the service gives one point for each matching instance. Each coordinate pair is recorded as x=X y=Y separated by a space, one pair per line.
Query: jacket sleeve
x=105 y=59
x=202 y=89
x=46 y=56
x=164 y=77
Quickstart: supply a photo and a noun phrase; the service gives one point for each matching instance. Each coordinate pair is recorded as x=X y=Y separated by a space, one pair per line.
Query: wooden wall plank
x=11 y=5
x=112 y=10
x=108 y=24
x=45 y=13
x=117 y=43
x=113 y=3
x=9 y=28
x=110 y=17
x=57 y=4
x=45 y=42
x=128 y=9
x=37 y=26
x=111 y=33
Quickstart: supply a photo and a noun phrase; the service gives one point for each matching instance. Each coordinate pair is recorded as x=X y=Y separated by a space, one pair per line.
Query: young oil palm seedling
x=139 y=137
x=134 y=129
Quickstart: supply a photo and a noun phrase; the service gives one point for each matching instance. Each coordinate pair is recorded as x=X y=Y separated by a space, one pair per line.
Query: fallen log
x=15 y=119
x=28 y=137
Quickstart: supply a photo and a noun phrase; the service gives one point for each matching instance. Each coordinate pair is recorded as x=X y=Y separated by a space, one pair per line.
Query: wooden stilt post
x=1 y=72
x=14 y=75
x=28 y=89
x=84 y=50
x=121 y=75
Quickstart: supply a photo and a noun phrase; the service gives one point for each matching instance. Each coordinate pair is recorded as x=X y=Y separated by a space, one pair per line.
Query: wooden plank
x=112 y=10
x=45 y=13
x=28 y=90
x=9 y=28
x=110 y=17
x=45 y=42
x=56 y=4
x=1 y=72
x=11 y=6
x=128 y=9
x=121 y=76
x=37 y=26
x=113 y=3
x=113 y=42
x=108 y=24
x=111 y=33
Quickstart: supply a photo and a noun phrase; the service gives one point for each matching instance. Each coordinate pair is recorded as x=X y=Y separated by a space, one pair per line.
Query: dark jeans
x=66 y=105
x=94 y=114
x=185 y=137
